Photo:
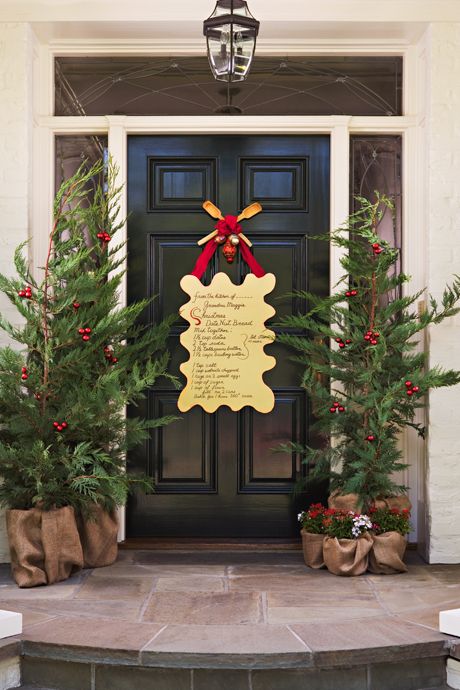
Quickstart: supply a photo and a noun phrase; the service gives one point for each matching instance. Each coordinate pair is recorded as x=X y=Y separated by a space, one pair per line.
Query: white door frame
x=410 y=126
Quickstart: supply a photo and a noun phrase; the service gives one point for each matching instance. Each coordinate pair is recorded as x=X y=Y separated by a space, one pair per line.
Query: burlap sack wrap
x=98 y=535
x=387 y=553
x=347 y=557
x=312 y=545
x=44 y=545
x=350 y=502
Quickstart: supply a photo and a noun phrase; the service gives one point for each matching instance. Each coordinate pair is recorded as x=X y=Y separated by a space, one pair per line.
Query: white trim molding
x=339 y=128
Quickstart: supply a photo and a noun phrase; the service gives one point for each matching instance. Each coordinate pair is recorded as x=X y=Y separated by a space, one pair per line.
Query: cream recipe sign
x=226 y=339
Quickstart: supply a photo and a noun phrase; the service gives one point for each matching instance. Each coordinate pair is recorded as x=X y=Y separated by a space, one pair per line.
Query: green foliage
x=57 y=376
x=312 y=520
x=358 y=386
x=344 y=524
x=390 y=520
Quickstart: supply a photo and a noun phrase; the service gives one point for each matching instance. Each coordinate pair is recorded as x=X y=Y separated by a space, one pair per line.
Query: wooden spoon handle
x=207 y=238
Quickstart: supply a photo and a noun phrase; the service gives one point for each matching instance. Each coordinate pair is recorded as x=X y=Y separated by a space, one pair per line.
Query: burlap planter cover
x=312 y=545
x=387 y=553
x=44 y=545
x=98 y=536
x=350 y=502
x=347 y=557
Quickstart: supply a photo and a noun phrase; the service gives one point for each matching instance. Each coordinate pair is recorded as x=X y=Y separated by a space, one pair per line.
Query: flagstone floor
x=236 y=610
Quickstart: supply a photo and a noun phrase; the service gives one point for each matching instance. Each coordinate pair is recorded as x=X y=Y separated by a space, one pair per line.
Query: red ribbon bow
x=226 y=226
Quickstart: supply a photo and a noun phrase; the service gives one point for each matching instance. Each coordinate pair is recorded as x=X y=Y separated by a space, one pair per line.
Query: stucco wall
x=443 y=257
x=15 y=146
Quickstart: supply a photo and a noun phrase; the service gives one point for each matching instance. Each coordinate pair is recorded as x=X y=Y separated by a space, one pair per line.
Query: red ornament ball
x=341 y=345
x=341 y=408
x=76 y=305
x=408 y=384
x=336 y=404
x=376 y=245
x=332 y=409
x=64 y=425
x=85 y=337
x=24 y=377
x=114 y=360
x=353 y=293
x=24 y=370
x=338 y=340
x=87 y=330
x=81 y=331
x=415 y=389
x=55 y=424
x=373 y=341
x=348 y=341
x=370 y=438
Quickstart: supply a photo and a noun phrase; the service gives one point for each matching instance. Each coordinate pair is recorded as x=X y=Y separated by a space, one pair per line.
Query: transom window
x=185 y=86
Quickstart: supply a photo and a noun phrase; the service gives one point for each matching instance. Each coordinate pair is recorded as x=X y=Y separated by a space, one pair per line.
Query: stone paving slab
x=96 y=639
x=200 y=608
x=379 y=639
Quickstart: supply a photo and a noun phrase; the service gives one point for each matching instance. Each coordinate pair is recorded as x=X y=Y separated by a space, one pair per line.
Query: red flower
x=330 y=511
x=394 y=511
x=313 y=513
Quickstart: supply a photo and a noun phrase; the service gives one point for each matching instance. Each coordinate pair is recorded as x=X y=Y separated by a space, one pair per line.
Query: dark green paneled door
x=216 y=475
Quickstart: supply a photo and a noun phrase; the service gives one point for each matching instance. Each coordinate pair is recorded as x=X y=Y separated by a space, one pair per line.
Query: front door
x=216 y=474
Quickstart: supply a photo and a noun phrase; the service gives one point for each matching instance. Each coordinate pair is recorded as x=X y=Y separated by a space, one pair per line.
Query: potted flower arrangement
x=368 y=385
x=312 y=533
x=347 y=542
x=390 y=527
x=79 y=359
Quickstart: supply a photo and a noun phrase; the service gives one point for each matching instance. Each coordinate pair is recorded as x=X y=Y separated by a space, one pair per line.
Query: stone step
x=45 y=673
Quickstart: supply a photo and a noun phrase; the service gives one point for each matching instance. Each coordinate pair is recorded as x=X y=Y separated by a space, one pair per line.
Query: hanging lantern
x=231 y=33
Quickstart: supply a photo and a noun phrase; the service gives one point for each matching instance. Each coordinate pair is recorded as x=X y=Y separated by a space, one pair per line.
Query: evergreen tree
x=80 y=359
x=367 y=386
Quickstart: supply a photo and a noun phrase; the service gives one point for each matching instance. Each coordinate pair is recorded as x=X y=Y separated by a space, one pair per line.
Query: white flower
x=361 y=523
x=300 y=516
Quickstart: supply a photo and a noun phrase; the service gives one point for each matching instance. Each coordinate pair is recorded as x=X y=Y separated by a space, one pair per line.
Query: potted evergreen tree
x=367 y=386
x=79 y=359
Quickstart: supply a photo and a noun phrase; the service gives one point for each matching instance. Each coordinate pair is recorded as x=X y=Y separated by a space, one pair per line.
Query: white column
x=118 y=153
x=340 y=191
x=16 y=60
x=443 y=214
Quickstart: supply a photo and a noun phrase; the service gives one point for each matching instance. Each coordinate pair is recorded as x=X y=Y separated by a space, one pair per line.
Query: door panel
x=217 y=475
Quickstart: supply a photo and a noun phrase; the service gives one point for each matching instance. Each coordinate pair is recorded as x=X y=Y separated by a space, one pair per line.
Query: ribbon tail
x=248 y=256
x=204 y=259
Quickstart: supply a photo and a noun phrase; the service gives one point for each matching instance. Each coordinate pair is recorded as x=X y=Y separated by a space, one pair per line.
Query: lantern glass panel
x=222 y=60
